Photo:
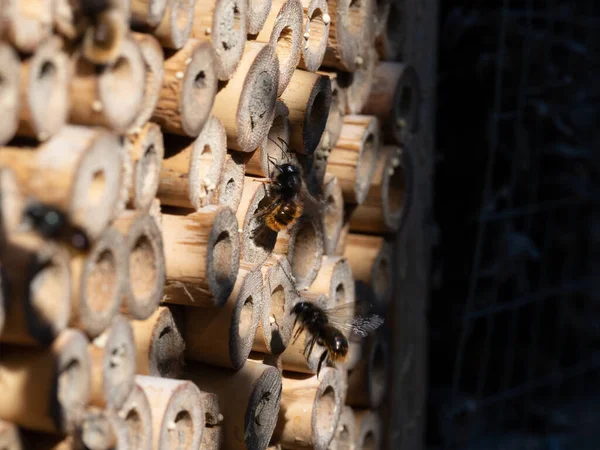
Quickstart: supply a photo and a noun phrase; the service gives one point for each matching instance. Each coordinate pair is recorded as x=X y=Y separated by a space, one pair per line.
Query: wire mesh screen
x=515 y=324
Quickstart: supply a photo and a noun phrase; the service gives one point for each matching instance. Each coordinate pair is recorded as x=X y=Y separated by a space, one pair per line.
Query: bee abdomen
x=283 y=216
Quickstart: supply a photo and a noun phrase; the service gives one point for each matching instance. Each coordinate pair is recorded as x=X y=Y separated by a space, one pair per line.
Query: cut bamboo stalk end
x=306 y=248
x=283 y=29
x=308 y=97
x=344 y=434
x=350 y=33
x=371 y=259
x=112 y=98
x=113 y=365
x=191 y=171
x=147 y=152
x=389 y=199
x=177 y=413
x=367 y=429
x=229 y=190
x=357 y=85
x=258 y=11
x=249 y=400
x=159 y=343
x=154 y=61
x=11 y=204
x=316 y=31
x=137 y=416
x=257 y=240
x=9 y=92
x=213 y=436
x=188 y=90
x=84 y=182
x=175 y=27
x=46 y=390
x=103 y=430
x=368 y=381
x=104 y=35
x=145 y=264
x=147 y=13
x=224 y=336
x=279 y=297
x=10 y=438
x=333 y=213
x=392 y=33
x=310 y=410
x=223 y=23
x=27 y=24
x=354 y=157
x=395 y=98
x=334 y=280
x=337 y=111
x=98 y=283
x=37 y=286
x=246 y=103
x=293 y=358
x=259 y=163
x=202 y=253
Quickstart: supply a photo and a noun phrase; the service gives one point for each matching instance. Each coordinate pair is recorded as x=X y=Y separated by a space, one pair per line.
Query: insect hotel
x=147 y=297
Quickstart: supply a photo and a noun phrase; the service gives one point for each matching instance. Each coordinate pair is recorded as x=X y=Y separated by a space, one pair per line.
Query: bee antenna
x=287 y=147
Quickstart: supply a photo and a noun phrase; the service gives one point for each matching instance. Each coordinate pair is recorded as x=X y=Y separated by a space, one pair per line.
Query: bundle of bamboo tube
x=144 y=302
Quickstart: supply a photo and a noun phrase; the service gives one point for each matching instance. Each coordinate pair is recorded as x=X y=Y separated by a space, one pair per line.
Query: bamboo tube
x=191 y=171
x=305 y=248
x=98 y=283
x=147 y=152
x=333 y=213
x=112 y=98
x=249 y=400
x=367 y=426
x=344 y=434
x=279 y=297
x=2 y=302
x=229 y=190
x=308 y=97
x=155 y=213
x=9 y=92
x=147 y=13
x=103 y=430
x=316 y=32
x=224 y=336
x=27 y=24
x=11 y=204
x=83 y=181
x=177 y=413
x=46 y=389
x=371 y=260
x=113 y=365
x=145 y=264
x=175 y=27
x=310 y=410
x=390 y=39
x=382 y=13
x=202 y=253
x=337 y=110
x=334 y=280
x=283 y=29
x=159 y=343
x=257 y=240
x=278 y=135
x=258 y=11
x=126 y=158
x=395 y=98
x=357 y=85
x=389 y=199
x=350 y=34
x=138 y=419
x=223 y=22
x=293 y=358
x=368 y=381
x=10 y=438
x=267 y=359
x=37 y=289
x=213 y=436
x=354 y=157
x=343 y=237
x=188 y=90
x=246 y=104
x=154 y=61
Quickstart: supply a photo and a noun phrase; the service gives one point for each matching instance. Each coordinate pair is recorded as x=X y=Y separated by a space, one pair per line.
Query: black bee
x=52 y=223
x=326 y=325
x=105 y=29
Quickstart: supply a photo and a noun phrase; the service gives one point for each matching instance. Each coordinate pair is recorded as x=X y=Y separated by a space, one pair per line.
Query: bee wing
x=353 y=317
x=267 y=209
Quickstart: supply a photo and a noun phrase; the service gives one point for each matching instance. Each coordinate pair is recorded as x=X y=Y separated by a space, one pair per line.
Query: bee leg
x=321 y=360
x=297 y=333
x=309 y=346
